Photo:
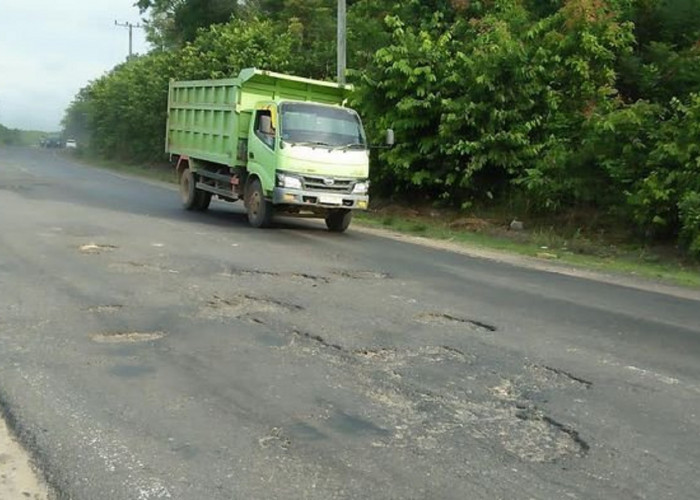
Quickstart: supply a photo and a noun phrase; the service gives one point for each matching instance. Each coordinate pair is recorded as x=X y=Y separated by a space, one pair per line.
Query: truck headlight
x=289 y=182
x=361 y=188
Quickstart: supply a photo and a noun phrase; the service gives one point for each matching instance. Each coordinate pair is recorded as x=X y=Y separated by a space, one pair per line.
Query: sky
x=50 y=49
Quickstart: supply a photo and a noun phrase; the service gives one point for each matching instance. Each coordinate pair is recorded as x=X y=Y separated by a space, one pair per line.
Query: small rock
x=517 y=225
x=545 y=255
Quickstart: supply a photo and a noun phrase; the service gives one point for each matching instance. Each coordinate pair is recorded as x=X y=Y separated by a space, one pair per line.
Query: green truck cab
x=282 y=144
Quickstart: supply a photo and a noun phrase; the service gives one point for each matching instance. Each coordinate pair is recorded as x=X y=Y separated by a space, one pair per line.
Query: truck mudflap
x=319 y=199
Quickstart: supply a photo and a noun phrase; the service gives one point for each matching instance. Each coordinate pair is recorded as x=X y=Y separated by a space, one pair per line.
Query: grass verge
x=546 y=245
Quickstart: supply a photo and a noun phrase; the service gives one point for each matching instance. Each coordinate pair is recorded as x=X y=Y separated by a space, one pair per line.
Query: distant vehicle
x=71 y=144
x=281 y=143
x=53 y=141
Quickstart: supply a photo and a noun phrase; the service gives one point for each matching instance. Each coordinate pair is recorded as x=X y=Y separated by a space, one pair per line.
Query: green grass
x=548 y=245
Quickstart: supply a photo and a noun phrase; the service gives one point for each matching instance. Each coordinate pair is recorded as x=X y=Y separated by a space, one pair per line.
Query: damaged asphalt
x=151 y=353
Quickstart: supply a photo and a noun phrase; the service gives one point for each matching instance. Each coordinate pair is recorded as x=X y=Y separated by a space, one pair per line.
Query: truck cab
x=309 y=155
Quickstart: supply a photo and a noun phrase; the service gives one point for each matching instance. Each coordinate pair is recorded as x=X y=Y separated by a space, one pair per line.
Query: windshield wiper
x=345 y=147
x=310 y=143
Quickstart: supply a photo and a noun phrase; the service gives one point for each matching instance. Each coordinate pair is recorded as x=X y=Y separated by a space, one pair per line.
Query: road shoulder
x=18 y=479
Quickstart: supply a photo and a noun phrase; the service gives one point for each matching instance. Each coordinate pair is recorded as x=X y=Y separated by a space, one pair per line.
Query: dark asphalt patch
x=305 y=432
x=354 y=425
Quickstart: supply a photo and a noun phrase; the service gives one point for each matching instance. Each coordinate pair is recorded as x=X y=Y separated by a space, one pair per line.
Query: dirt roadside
x=538 y=264
x=18 y=480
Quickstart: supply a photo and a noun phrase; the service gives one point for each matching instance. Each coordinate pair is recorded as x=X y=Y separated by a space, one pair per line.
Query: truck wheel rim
x=255 y=204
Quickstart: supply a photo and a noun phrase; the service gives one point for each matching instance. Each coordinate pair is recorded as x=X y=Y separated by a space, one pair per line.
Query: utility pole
x=131 y=34
x=342 y=37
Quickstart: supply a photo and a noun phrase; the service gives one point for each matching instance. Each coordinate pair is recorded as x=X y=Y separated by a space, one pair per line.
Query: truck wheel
x=260 y=211
x=188 y=192
x=338 y=221
x=203 y=200
x=193 y=198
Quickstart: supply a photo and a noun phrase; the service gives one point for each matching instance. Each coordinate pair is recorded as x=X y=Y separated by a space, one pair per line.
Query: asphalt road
x=148 y=352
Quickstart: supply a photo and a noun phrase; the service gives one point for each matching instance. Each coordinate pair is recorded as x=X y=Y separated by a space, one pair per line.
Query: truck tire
x=193 y=198
x=203 y=200
x=260 y=210
x=338 y=221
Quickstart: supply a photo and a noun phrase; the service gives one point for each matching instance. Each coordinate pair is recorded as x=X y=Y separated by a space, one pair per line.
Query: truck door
x=262 y=146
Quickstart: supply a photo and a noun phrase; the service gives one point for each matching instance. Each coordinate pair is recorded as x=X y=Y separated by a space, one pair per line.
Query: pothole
x=536 y=437
x=107 y=308
x=395 y=355
x=361 y=274
x=275 y=438
x=126 y=337
x=558 y=377
x=94 y=248
x=139 y=267
x=241 y=305
x=530 y=434
x=443 y=319
x=292 y=276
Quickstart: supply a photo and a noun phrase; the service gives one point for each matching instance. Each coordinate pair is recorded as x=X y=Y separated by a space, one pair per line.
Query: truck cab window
x=264 y=129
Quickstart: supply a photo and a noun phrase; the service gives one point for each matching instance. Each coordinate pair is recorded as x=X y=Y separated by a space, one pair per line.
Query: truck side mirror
x=389 y=137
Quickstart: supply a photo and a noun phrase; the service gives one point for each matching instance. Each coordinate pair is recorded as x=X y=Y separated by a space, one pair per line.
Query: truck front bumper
x=319 y=199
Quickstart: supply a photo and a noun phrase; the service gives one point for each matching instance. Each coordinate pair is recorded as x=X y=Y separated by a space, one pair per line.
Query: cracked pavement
x=149 y=352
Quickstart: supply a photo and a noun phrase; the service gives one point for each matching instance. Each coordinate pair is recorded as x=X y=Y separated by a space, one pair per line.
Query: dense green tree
x=171 y=23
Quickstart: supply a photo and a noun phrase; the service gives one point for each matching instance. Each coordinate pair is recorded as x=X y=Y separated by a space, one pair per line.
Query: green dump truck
x=280 y=143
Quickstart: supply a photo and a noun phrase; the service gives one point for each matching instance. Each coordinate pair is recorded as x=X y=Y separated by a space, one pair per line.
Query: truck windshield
x=303 y=123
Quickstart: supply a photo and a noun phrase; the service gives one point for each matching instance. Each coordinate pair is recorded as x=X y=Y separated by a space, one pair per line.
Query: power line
x=131 y=27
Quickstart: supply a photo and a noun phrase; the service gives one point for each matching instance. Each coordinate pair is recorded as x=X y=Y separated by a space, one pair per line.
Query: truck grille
x=328 y=184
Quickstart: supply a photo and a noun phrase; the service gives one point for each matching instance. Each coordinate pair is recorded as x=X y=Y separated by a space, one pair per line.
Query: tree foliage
x=563 y=103
x=9 y=136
